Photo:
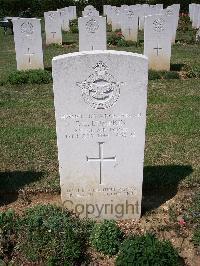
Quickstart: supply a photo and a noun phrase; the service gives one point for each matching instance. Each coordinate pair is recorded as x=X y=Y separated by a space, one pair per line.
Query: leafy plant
x=196 y=237
x=153 y=75
x=117 y=39
x=74 y=26
x=146 y=250
x=8 y=225
x=51 y=235
x=29 y=77
x=193 y=72
x=170 y=75
x=106 y=237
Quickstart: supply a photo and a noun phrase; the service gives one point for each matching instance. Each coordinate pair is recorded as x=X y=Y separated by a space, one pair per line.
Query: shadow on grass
x=68 y=43
x=11 y=182
x=176 y=67
x=48 y=69
x=161 y=184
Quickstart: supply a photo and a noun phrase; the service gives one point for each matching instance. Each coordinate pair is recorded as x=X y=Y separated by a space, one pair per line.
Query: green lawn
x=27 y=132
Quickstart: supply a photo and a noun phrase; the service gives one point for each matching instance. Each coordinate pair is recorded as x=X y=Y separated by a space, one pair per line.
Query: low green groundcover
x=146 y=250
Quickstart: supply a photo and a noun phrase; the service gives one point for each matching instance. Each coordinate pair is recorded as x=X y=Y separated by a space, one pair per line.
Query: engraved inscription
x=101 y=159
x=100 y=90
x=92 y=26
x=79 y=126
x=27 y=28
x=158 y=25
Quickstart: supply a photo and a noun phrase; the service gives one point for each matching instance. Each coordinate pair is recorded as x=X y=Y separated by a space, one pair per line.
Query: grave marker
x=53 y=27
x=28 y=43
x=100 y=102
x=92 y=33
x=157 y=42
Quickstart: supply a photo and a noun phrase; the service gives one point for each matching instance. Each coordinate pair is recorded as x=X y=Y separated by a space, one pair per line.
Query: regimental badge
x=100 y=90
x=158 y=25
x=92 y=26
x=27 y=28
x=130 y=14
x=51 y=16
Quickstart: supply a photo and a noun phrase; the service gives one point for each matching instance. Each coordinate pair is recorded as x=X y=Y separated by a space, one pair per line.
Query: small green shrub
x=74 y=26
x=117 y=39
x=196 y=237
x=106 y=237
x=29 y=77
x=170 y=75
x=154 y=75
x=8 y=228
x=146 y=250
x=50 y=235
x=193 y=72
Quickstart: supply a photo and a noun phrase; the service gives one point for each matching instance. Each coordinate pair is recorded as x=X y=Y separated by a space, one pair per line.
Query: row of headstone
x=58 y=21
x=194 y=13
x=28 y=39
x=131 y=18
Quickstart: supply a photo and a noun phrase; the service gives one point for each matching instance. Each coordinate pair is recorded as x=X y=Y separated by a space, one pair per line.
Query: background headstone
x=53 y=27
x=92 y=33
x=129 y=24
x=64 y=15
x=157 y=42
x=28 y=43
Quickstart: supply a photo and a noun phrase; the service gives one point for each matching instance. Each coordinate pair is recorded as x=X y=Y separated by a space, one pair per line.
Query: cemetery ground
x=171 y=192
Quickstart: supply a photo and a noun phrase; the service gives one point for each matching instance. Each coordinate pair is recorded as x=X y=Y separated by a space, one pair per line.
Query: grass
x=27 y=132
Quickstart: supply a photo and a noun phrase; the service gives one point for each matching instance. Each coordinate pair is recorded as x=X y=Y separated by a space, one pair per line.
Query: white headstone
x=100 y=102
x=64 y=15
x=129 y=24
x=157 y=42
x=53 y=27
x=116 y=18
x=92 y=33
x=72 y=12
x=90 y=11
x=28 y=43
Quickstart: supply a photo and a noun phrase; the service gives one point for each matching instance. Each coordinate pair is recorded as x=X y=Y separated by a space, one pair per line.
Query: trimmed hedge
x=38 y=7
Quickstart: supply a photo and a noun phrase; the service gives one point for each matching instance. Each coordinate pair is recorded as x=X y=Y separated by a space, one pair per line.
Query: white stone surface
x=72 y=12
x=100 y=102
x=116 y=18
x=53 y=27
x=64 y=15
x=157 y=42
x=92 y=33
x=129 y=24
x=28 y=43
x=90 y=11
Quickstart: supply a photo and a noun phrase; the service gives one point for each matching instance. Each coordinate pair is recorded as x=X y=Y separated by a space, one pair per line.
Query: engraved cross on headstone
x=101 y=159
x=129 y=31
x=157 y=49
x=53 y=32
x=29 y=54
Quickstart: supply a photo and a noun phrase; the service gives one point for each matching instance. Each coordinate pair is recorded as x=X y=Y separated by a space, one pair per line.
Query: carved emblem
x=51 y=15
x=169 y=12
x=92 y=26
x=158 y=25
x=100 y=90
x=130 y=13
x=27 y=27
